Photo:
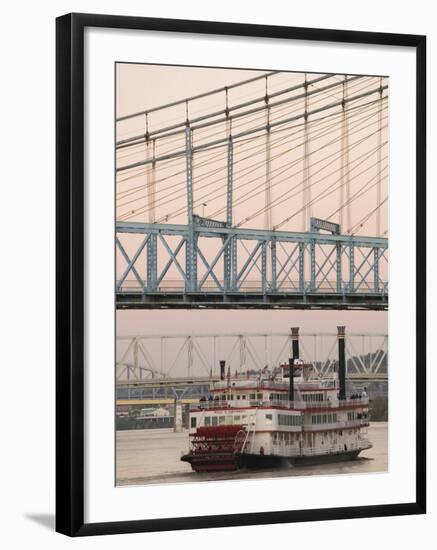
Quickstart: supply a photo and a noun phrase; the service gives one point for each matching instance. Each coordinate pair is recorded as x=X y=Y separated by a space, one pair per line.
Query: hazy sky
x=144 y=322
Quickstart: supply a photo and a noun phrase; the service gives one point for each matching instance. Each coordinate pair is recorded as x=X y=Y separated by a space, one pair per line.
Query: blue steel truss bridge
x=268 y=191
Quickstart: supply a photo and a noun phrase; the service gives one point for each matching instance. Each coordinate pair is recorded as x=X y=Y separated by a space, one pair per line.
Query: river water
x=153 y=456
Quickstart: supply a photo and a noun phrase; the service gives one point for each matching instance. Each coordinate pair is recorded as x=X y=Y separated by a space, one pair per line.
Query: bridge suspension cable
x=195 y=97
x=277 y=171
x=245 y=133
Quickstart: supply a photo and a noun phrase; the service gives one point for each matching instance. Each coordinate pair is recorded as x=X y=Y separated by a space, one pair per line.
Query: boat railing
x=270 y=403
x=296 y=404
x=222 y=404
x=201 y=405
x=301 y=404
x=353 y=423
x=351 y=401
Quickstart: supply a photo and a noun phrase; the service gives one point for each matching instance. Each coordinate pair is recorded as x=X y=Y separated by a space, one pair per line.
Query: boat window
x=323 y=418
x=259 y=395
x=236 y=419
x=291 y=420
x=229 y=420
x=221 y=419
x=252 y=396
x=243 y=397
x=238 y=396
x=269 y=418
x=193 y=421
x=207 y=420
x=312 y=396
x=214 y=420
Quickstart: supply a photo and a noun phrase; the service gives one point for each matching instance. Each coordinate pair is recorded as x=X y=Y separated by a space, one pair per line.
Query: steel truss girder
x=190 y=358
x=251 y=266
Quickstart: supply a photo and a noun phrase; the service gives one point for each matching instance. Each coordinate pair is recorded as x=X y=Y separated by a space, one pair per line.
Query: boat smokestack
x=295 y=342
x=295 y=349
x=222 y=369
x=291 y=384
x=341 y=362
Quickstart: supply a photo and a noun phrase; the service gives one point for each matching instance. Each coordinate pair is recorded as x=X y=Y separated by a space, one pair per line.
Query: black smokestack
x=222 y=369
x=341 y=362
x=295 y=341
x=291 y=386
x=295 y=344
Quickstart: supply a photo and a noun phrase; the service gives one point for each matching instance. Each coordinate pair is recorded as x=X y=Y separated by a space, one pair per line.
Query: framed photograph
x=240 y=274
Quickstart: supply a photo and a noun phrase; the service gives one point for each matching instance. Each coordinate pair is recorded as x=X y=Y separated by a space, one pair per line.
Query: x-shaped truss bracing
x=224 y=262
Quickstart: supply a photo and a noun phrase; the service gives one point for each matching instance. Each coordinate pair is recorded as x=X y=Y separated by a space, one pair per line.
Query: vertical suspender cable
x=151 y=181
x=191 y=256
x=148 y=170
x=268 y=223
x=342 y=160
x=306 y=195
x=230 y=163
x=268 y=198
x=345 y=161
x=379 y=162
x=227 y=255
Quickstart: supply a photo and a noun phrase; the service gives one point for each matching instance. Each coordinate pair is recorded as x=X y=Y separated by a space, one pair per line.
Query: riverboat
x=285 y=416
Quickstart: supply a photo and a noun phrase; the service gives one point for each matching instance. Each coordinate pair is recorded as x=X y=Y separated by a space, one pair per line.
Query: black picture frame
x=70 y=273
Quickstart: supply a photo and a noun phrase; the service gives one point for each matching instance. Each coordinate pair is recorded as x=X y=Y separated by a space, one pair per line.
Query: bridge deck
x=329 y=300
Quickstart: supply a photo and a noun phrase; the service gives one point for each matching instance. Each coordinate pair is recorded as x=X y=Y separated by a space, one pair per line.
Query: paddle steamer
x=284 y=416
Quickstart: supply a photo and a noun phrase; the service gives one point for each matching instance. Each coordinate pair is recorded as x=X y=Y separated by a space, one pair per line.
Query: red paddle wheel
x=215 y=448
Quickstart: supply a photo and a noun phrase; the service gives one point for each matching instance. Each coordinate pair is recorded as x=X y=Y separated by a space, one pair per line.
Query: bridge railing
x=131 y=285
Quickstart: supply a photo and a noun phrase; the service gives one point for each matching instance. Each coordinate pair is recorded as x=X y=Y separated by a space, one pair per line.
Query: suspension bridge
x=266 y=192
